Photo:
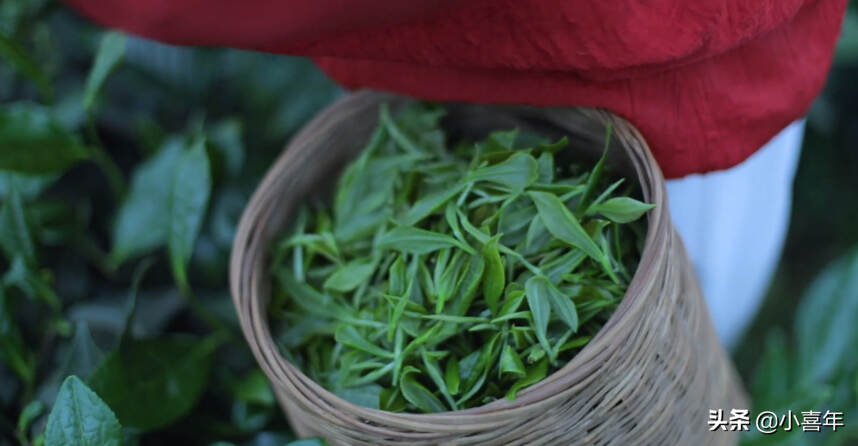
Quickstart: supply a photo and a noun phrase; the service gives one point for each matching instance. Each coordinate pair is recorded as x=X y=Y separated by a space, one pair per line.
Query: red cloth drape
x=707 y=82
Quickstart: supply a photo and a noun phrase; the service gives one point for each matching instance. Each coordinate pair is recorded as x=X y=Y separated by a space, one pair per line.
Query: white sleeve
x=733 y=223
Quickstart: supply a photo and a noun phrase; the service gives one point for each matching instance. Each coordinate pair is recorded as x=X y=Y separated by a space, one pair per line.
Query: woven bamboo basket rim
x=250 y=283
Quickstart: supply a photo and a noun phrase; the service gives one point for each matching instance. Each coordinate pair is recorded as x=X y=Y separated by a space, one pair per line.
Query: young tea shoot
x=441 y=277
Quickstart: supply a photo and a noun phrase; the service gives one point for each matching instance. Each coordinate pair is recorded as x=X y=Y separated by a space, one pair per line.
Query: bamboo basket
x=649 y=377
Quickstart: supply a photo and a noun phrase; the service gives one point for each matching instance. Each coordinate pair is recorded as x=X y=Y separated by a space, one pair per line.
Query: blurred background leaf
x=97 y=122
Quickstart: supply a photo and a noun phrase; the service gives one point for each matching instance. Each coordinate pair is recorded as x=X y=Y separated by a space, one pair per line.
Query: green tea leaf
x=13 y=352
x=83 y=355
x=348 y=335
x=622 y=209
x=540 y=308
x=143 y=220
x=545 y=167
x=151 y=383
x=429 y=204
x=418 y=241
x=189 y=195
x=451 y=376
x=29 y=186
x=510 y=363
x=595 y=174
x=434 y=373
x=15 y=238
x=391 y=400
x=428 y=297
x=24 y=64
x=307 y=298
x=534 y=375
x=80 y=418
x=823 y=323
x=34 y=142
x=350 y=275
x=29 y=413
x=420 y=396
x=562 y=224
x=253 y=388
x=562 y=305
x=31 y=282
x=516 y=172
x=468 y=285
x=109 y=55
x=515 y=217
x=131 y=302
x=226 y=139
x=771 y=378
x=556 y=269
x=365 y=396
x=396 y=133
x=501 y=140
x=495 y=279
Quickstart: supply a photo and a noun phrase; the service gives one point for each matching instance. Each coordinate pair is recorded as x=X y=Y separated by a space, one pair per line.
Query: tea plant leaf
x=501 y=140
x=427 y=256
x=561 y=305
x=29 y=186
x=495 y=279
x=510 y=363
x=545 y=168
x=31 y=282
x=83 y=355
x=13 y=353
x=189 y=196
x=350 y=275
x=34 y=142
x=429 y=204
x=418 y=241
x=366 y=395
x=451 y=376
x=538 y=301
x=534 y=375
x=771 y=381
x=151 y=383
x=622 y=209
x=253 y=388
x=468 y=285
x=111 y=49
x=143 y=220
x=516 y=172
x=419 y=396
x=80 y=418
x=307 y=298
x=823 y=320
x=556 y=269
x=562 y=224
x=396 y=133
x=348 y=335
x=434 y=373
x=15 y=238
x=595 y=174
x=32 y=411
x=24 y=64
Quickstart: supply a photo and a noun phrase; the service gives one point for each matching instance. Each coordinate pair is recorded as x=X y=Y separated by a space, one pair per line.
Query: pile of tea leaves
x=441 y=278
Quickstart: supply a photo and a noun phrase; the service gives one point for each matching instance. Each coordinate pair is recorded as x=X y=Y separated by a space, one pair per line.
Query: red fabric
x=707 y=82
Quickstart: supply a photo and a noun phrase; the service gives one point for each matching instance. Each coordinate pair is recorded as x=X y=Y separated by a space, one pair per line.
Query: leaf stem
x=111 y=171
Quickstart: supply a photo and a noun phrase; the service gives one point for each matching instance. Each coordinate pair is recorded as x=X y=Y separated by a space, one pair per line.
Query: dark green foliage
x=120 y=188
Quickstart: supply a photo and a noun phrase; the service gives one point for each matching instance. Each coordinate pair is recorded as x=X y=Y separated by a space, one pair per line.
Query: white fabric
x=733 y=223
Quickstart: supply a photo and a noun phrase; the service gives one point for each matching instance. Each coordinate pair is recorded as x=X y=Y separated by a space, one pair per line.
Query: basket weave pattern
x=649 y=377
